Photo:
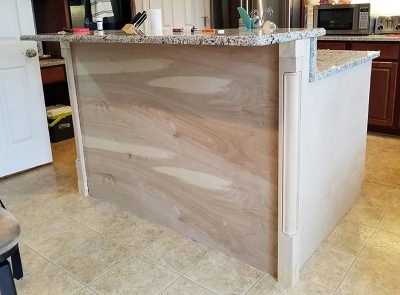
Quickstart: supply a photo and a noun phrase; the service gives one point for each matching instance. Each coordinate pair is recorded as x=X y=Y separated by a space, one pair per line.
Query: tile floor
x=72 y=245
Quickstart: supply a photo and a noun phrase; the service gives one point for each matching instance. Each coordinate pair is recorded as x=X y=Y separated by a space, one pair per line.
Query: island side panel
x=334 y=135
x=187 y=137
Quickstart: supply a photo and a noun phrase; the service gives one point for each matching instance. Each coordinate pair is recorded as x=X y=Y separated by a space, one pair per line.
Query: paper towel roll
x=155 y=22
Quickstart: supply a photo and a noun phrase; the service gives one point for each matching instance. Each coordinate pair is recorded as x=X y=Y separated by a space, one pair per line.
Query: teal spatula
x=245 y=17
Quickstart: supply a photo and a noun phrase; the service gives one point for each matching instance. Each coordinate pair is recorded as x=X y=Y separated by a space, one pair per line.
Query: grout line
x=198 y=284
x=93 y=290
x=88 y=226
x=197 y=263
x=79 y=290
x=103 y=274
x=346 y=274
x=68 y=273
x=252 y=287
x=388 y=207
x=159 y=264
x=173 y=282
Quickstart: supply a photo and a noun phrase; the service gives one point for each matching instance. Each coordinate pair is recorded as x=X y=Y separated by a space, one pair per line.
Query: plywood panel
x=186 y=136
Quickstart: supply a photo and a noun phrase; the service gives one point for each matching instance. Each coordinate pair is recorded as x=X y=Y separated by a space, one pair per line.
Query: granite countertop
x=331 y=62
x=323 y=63
x=365 y=38
x=51 y=62
x=231 y=37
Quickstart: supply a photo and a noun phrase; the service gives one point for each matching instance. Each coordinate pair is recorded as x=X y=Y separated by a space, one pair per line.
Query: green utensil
x=245 y=17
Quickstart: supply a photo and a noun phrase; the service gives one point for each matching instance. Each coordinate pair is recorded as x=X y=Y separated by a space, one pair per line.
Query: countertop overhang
x=231 y=37
x=361 y=38
x=323 y=63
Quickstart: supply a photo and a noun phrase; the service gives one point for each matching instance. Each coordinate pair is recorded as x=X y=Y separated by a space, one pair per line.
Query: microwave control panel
x=364 y=18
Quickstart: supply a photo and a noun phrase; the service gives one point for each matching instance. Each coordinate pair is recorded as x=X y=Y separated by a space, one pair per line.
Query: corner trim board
x=80 y=161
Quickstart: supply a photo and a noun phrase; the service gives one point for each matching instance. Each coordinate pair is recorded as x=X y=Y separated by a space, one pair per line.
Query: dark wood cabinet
x=384 y=104
x=332 y=45
x=383 y=93
x=389 y=51
x=51 y=16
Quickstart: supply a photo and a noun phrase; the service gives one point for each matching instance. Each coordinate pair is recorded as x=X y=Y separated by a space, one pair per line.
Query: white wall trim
x=80 y=161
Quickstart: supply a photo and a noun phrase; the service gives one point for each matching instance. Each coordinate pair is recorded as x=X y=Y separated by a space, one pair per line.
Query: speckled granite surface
x=323 y=63
x=331 y=62
x=51 y=62
x=367 y=38
x=232 y=37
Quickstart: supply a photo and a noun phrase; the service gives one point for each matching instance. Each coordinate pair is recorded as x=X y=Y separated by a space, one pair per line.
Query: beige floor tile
x=327 y=267
x=134 y=233
x=391 y=219
x=375 y=142
x=176 y=252
x=385 y=167
x=369 y=278
x=393 y=144
x=93 y=213
x=137 y=275
x=91 y=260
x=45 y=179
x=54 y=234
x=57 y=201
x=50 y=280
x=374 y=200
x=223 y=274
x=350 y=236
x=269 y=286
x=31 y=260
x=184 y=286
x=383 y=247
x=85 y=291
x=7 y=191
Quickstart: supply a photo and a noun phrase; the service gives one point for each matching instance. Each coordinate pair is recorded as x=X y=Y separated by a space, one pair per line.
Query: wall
x=382 y=7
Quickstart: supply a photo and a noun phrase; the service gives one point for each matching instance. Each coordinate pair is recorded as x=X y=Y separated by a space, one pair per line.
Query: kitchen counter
x=320 y=66
x=363 y=38
x=231 y=144
x=331 y=62
x=231 y=37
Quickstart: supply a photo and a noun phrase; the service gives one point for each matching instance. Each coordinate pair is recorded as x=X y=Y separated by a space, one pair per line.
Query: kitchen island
x=252 y=143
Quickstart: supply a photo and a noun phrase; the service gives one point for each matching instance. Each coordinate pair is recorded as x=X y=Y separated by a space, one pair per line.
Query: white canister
x=155 y=22
x=99 y=22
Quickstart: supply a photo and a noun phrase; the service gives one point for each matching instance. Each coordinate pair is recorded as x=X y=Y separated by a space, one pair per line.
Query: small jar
x=242 y=25
x=99 y=22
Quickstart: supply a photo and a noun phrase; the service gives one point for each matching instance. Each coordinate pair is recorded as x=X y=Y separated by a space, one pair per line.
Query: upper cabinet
x=180 y=13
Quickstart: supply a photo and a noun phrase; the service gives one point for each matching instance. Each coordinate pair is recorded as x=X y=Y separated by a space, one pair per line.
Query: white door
x=24 y=138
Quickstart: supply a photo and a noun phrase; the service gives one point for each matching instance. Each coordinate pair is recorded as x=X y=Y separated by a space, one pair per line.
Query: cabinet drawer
x=53 y=74
x=388 y=51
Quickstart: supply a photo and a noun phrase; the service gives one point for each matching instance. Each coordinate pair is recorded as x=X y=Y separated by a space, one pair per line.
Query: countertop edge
x=357 y=38
x=369 y=56
x=186 y=39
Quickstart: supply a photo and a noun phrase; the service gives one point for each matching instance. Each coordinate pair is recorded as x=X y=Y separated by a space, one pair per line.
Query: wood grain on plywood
x=187 y=137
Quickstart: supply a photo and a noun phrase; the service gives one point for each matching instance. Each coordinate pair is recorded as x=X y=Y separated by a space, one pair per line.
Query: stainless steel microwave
x=351 y=19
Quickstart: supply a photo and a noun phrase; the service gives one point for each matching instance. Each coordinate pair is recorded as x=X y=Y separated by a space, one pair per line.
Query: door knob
x=30 y=52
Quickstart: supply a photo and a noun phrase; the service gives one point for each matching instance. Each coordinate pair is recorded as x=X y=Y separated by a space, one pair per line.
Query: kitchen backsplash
x=382 y=7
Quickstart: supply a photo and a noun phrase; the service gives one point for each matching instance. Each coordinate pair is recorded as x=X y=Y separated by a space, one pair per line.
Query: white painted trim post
x=290 y=90
x=80 y=161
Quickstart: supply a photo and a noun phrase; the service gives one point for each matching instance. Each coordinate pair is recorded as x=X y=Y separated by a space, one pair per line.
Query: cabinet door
x=383 y=93
x=332 y=45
